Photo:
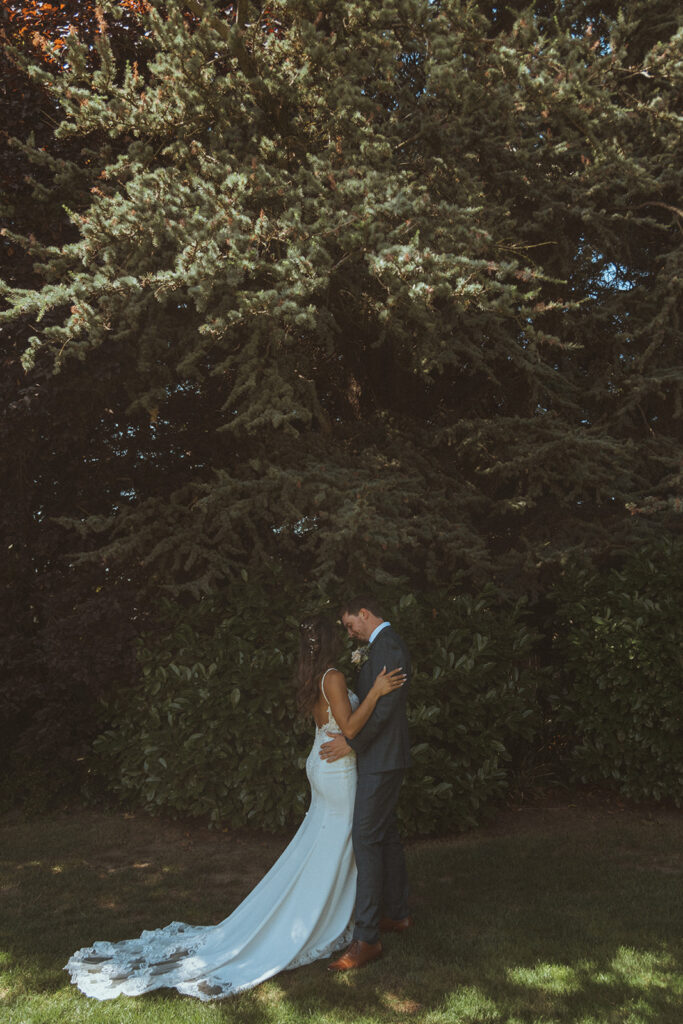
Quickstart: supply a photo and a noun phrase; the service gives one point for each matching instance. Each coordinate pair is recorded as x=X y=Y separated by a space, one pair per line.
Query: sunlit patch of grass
x=469 y=1005
x=643 y=968
x=549 y=977
x=270 y=994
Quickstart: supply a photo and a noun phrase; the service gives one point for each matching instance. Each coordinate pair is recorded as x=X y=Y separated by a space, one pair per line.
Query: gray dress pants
x=382 y=887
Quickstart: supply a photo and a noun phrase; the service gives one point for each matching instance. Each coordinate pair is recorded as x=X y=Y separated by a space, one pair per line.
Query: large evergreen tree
x=365 y=290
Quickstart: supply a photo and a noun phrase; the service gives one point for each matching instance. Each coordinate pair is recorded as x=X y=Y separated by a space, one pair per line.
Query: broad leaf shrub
x=473 y=697
x=619 y=647
x=211 y=729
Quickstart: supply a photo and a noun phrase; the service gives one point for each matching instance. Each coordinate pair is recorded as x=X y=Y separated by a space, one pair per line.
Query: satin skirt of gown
x=299 y=912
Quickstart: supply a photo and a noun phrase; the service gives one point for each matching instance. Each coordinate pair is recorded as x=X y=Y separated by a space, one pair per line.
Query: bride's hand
x=386 y=682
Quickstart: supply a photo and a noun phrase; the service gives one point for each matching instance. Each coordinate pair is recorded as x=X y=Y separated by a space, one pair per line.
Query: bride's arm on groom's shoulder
x=351 y=722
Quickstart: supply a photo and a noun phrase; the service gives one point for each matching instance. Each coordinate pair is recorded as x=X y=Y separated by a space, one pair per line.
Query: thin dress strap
x=322 y=685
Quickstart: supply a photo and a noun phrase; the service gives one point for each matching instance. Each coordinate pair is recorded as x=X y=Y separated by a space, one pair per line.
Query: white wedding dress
x=299 y=912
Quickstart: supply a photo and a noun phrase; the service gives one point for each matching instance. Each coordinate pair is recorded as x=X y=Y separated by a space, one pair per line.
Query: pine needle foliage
x=392 y=290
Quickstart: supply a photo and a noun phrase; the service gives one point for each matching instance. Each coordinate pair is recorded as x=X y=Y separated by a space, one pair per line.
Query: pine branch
x=233 y=36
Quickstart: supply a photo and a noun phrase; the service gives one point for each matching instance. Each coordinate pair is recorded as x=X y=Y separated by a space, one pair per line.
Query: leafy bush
x=211 y=729
x=620 y=647
x=473 y=696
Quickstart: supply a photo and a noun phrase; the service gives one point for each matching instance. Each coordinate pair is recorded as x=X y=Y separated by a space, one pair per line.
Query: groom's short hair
x=368 y=601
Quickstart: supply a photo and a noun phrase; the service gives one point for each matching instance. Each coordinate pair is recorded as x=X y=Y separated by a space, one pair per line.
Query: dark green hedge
x=619 y=648
x=211 y=728
x=473 y=698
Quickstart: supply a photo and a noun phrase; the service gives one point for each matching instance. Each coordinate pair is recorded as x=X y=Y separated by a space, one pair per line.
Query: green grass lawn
x=553 y=915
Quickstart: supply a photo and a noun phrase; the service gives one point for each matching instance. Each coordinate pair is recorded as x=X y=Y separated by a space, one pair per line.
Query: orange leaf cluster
x=45 y=26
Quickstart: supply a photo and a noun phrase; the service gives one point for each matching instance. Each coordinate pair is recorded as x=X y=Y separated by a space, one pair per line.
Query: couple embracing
x=342 y=879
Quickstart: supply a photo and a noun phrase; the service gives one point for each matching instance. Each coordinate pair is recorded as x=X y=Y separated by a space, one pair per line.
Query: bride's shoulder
x=334 y=676
x=333 y=681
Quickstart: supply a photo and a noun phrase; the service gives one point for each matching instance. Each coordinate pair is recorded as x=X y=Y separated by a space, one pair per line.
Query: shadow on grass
x=566 y=922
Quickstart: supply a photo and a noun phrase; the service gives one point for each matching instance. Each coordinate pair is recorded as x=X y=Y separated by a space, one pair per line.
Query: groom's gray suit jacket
x=383 y=744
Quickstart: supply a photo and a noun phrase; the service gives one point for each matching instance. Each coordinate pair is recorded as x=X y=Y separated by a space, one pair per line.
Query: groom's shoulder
x=391 y=638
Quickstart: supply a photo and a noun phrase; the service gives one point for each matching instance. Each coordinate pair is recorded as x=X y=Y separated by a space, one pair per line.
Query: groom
x=382 y=749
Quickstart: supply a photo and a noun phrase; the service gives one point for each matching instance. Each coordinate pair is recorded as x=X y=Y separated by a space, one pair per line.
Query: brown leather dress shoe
x=390 y=924
x=358 y=954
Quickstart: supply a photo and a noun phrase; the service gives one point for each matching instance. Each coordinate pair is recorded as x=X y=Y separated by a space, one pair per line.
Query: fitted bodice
x=331 y=724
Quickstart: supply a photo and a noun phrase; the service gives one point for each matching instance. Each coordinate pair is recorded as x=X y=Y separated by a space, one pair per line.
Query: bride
x=302 y=909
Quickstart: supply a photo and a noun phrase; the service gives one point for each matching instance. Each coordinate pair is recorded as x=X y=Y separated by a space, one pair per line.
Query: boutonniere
x=359 y=656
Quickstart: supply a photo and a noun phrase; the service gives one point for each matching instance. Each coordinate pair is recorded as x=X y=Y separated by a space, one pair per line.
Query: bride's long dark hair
x=318 y=647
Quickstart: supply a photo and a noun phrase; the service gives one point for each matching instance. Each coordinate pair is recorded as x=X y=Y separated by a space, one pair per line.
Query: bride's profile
x=302 y=909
